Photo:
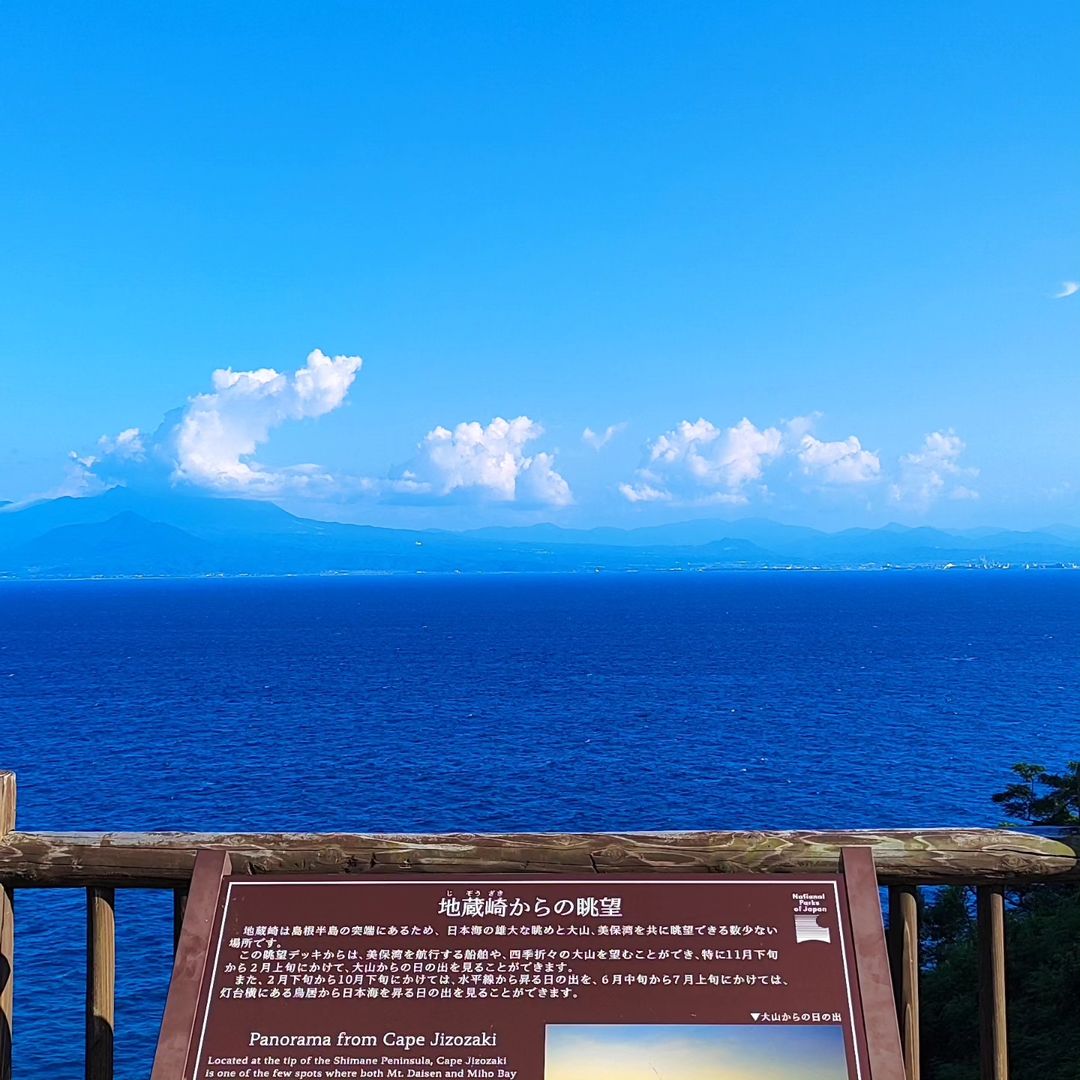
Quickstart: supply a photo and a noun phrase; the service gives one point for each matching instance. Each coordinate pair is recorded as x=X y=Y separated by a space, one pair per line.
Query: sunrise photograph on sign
x=694 y=1052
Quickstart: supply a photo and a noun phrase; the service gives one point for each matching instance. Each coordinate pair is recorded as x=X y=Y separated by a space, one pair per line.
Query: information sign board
x=517 y=977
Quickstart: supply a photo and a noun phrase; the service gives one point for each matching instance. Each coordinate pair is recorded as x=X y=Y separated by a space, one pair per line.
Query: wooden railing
x=100 y=863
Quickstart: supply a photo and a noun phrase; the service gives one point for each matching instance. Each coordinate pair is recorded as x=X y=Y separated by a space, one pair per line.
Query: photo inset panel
x=694 y=1052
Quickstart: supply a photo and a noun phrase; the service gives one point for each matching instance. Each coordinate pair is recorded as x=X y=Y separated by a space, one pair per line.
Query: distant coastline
x=125 y=534
x=348 y=575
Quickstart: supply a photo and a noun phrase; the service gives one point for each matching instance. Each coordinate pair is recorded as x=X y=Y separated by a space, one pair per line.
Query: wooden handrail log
x=931 y=856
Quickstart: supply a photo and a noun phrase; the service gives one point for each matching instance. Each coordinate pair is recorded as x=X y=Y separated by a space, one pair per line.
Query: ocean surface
x=661 y=701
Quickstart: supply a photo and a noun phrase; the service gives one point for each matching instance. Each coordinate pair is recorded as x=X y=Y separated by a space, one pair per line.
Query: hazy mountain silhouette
x=124 y=532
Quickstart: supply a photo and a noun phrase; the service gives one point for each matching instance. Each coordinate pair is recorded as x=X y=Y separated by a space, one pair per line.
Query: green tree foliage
x=1039 y=797
x=1042 y=955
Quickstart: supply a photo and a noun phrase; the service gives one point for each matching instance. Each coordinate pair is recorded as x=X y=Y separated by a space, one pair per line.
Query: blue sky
x=844 y=224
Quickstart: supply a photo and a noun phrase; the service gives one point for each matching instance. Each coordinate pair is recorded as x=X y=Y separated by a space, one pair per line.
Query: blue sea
x=661 y=701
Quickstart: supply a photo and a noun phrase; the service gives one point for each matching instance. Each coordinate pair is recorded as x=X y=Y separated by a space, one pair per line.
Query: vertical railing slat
x=7 y=931
x=993 y=1044
x=100 y=982
x=904 y=932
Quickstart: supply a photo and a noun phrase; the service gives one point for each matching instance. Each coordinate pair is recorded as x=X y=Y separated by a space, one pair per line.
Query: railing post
x=100 y=982
x=7 y=930
x=212 y=870
x=994 y=1054
x=870 y=951
x=904 y=953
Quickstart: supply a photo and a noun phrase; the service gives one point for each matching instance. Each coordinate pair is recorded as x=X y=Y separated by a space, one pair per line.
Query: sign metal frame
x=186 y=1012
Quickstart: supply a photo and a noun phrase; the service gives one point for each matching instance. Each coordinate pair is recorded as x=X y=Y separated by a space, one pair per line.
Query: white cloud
x=489 y=463
x=220 y=432
x=934 y=472
x=1068 y=288
x=211 y=441
x=128 y=445
x=644 y=492
x=799 y=426
x=598 y=440
x=838 y=463
x=699 y=462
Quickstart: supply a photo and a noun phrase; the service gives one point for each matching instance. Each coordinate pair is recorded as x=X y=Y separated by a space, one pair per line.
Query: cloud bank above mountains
x=700 y=464
x=213 y=442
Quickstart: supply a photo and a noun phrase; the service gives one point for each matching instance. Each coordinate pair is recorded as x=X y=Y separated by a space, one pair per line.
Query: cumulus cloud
x=219 y=432
x=127 y=446
x=211 y=441
x=702 y=463
x=489 y=463
x=1068 y=288
x=598 y=440
x=839 y=463
x=934 y=472
x=644 y=492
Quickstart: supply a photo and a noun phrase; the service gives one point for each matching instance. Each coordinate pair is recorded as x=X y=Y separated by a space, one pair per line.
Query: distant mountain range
x=126 y=533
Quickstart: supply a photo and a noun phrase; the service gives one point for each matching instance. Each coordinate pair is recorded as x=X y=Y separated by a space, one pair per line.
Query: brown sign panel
x=534 y=978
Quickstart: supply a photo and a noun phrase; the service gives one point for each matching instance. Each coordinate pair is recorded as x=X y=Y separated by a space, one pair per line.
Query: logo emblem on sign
x=807 y=929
